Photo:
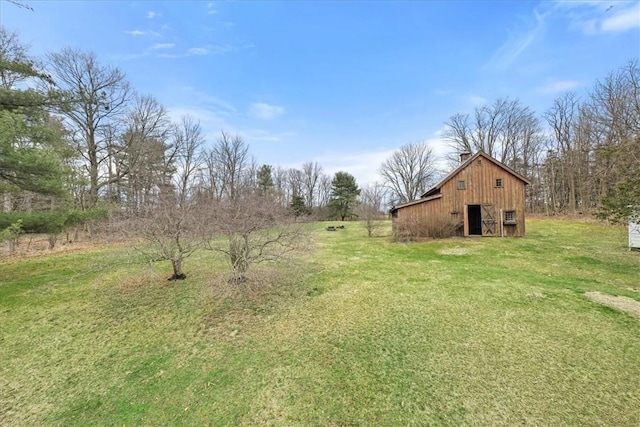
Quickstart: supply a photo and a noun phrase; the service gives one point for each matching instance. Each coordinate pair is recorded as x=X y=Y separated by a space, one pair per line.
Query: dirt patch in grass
x=625 y=304
x=454 y=251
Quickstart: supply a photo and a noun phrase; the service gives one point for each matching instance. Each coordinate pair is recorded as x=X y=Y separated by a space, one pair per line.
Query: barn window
x=509 y=217
x=499 y=182
x=462 y=185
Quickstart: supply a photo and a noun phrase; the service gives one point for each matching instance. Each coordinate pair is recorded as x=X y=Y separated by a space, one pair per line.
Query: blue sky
x=343 y=83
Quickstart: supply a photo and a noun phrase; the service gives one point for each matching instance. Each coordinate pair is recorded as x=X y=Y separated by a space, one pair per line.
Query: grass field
x=361 y=332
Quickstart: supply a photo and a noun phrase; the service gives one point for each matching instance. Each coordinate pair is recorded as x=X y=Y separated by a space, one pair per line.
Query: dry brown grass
x=38 y=245
x=625 y=304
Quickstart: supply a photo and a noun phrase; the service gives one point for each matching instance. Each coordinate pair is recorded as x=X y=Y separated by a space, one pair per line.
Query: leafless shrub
x=170 y=232
x=408 y=229
x=369 y=208
x=442 y=226
x=251 y=230
x=436 y=227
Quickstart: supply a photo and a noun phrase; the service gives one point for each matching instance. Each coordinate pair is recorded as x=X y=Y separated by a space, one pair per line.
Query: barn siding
x=480 y=178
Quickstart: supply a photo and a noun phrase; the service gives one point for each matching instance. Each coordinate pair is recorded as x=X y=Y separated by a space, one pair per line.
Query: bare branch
x=409 y=171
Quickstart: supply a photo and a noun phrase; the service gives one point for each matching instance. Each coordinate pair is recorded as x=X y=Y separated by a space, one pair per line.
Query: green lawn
x=364 y=332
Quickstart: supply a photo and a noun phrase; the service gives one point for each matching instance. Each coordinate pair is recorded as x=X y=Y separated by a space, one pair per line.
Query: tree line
x=78 y=142
x=582 y=154
x=82 y=130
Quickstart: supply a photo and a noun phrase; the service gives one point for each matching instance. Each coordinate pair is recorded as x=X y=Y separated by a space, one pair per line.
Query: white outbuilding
x=634 y=235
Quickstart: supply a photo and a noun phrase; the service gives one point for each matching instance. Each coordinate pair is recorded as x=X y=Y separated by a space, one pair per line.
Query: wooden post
x=465 y=221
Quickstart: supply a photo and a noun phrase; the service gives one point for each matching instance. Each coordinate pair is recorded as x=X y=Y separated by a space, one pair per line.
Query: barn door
x=489 y=222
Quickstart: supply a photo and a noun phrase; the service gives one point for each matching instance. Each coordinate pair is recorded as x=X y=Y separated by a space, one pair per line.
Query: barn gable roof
x=434 y=192
x=436 y=188
x=415 y=202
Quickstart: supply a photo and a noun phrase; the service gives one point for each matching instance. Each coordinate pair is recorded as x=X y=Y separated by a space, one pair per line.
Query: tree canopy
x=32 y=145
x=409 y=171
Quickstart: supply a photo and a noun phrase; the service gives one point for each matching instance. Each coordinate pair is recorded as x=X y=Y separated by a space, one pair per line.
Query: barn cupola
x=464 y=156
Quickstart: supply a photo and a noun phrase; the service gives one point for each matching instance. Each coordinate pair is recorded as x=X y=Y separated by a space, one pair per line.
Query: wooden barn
x=481 y=197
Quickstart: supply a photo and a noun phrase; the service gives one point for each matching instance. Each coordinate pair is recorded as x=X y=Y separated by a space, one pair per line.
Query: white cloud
x=210 y=120
x=210 y=9
x=139 y=33
x=476 y=100
x=209 y=101
x=265 y=135
x=151 y=14
x=622 y=20
x=265 y=111
x=518 y=42
x=220 y=49
x=595 y=17
x=572 y=4
x=135 y=33
x=157 y=46
x=588 y=17
x=558 y=86
x=213 y=120
x=589 y=26
x=198 y=51
x=363 y=166
x=439 y=146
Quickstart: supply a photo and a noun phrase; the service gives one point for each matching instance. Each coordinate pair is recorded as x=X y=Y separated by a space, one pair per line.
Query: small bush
x=11 y=235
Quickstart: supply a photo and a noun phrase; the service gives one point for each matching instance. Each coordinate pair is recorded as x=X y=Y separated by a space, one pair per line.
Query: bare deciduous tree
x=281 y=185
x=189 y=158
x=21 y=4
x=295 y=181
x=311 y=174
x=176 y=226
x=370 y=209
x=409 y=171
x=562 y=118
x=615 y=112
x=592 y=159
x=230 y=159
x=141 y=158
x=506 y=130
x=324 y=190
x=172 y=232
x=255 y=229
x=96 y=95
